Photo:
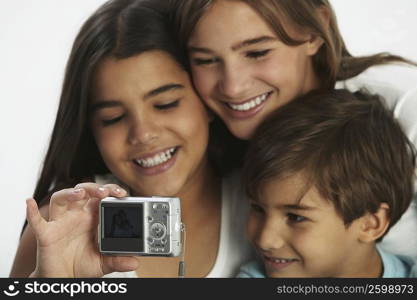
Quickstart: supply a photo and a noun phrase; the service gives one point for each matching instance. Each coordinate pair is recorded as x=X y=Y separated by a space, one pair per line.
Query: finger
x=94 y=190
x=115 y=190
x=119 y=264
x=33 y=216
x=93 y=207
x=64 y=200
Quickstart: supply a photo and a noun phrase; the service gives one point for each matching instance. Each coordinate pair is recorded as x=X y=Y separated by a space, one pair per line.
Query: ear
x=374 y=225
x=315 y=42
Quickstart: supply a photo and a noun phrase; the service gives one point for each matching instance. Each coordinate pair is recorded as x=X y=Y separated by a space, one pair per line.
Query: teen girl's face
x=242 y=70
x=297 y=233
x=150 y=126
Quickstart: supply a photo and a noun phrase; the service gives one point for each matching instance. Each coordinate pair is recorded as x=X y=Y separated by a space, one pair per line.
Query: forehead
x=292 y=190
x=137 y=74
x=224 y=21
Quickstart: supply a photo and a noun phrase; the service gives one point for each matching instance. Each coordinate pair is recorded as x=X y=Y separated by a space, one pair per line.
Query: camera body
x=142 y=226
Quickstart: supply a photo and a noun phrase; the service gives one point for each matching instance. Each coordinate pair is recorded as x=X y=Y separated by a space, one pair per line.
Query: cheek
x=204 y=81
x=252 y=227
x=108 y=143
x=283 y=70
x=193 y=123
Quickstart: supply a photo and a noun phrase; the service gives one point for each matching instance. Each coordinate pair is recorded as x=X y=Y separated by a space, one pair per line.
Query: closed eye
x=112 y=121
x=256 y=208
x=202 y=61
x=257 y=54
x=167 y=105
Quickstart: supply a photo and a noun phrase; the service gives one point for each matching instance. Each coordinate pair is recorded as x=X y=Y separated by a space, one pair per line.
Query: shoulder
x=234 y=248
x=397 y=86
x=397 y=266
x=252 y=269
x=392 y=82
x=391 y=79
x=235 y=201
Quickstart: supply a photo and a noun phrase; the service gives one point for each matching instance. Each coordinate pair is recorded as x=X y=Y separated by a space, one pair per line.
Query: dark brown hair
x=119 y=28
x=348 y=146
x=332 y=62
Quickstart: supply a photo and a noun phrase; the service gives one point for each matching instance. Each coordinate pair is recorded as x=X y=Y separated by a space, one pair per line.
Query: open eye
x=293 y=218
x=112 y=121
x=257 y=54
x=168 y=105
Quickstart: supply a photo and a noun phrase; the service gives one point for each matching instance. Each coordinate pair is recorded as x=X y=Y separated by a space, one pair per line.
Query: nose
x=143 y=131
x=234 y=81
x=270 y=237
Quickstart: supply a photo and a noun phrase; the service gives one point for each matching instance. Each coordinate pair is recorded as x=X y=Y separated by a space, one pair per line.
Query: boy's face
x=297 y=233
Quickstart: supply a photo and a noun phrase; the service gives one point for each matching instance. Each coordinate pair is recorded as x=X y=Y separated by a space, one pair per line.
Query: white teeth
x=250 y=104
x=282 y=261
x=157 y=159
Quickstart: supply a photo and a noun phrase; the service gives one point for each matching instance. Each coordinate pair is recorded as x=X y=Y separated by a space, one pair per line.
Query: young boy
x=328 y=175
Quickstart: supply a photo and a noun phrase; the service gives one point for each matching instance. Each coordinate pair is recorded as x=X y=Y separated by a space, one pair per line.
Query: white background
x=35 y=40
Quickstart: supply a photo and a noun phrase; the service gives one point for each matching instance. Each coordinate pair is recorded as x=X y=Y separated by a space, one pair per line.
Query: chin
x=242 y=133
x=161 y=192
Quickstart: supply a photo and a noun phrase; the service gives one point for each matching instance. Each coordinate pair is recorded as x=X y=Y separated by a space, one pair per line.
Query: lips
x=249 y=107
x=156 y=163
x=278 y=263
x=156 y=159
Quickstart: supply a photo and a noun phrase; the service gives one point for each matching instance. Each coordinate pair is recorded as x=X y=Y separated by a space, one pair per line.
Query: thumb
x=119 y=264
x=33 y=216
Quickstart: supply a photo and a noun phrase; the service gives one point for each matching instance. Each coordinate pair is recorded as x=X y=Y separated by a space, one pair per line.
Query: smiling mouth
x=280 y=260
x=157 y=159
x=250 y=104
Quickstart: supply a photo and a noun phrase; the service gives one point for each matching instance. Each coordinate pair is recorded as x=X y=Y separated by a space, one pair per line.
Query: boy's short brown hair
x=349 y=146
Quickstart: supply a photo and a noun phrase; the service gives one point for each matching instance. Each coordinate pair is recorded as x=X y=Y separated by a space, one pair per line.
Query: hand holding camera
x=148 y=226
x=67 y=241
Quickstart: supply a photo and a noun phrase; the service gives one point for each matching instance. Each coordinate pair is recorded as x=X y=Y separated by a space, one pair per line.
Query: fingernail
x=119 y=191
x=77 y=191
x=102 y=189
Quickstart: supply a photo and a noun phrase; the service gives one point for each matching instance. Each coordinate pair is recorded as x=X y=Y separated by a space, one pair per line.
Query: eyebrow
x=257 y=40
x=299 y=207
x=237 y=46
x=100 y=104
x=163 y=89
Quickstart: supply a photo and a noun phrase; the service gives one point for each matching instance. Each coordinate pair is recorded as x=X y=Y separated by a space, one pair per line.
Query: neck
x=200 y=195
x=312 y=82
x=368 y=263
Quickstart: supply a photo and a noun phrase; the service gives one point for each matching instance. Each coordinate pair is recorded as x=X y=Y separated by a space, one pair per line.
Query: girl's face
x=149 y=125
x=242 y=70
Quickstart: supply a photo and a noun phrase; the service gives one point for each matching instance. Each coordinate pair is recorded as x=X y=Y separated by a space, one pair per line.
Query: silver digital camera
x=148 y=226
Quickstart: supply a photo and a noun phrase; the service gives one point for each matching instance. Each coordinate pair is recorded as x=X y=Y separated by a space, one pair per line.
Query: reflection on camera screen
x=123 y=222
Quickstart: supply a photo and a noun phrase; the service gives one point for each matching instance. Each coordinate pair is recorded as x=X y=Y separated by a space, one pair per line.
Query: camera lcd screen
x=123 y=222
x=123 y=227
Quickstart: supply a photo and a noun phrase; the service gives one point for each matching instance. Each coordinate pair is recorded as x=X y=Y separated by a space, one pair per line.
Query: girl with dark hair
x=248 y=58
x=129 y=122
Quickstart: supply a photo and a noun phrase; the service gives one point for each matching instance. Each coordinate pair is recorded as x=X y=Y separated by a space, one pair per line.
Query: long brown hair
x=348 y=146
x=119 y=28
x=332 y=62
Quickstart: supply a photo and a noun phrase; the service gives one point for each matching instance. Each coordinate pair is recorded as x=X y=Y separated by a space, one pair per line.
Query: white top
x=397 y=84
x=234 y=249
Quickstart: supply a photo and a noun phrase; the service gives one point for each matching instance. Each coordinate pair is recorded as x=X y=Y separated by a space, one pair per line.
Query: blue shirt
x=395 y=266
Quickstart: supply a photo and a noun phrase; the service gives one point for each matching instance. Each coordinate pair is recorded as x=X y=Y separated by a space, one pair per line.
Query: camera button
x=163 y=241
x=158 y=230
x=150 y=241
x=150 y=219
